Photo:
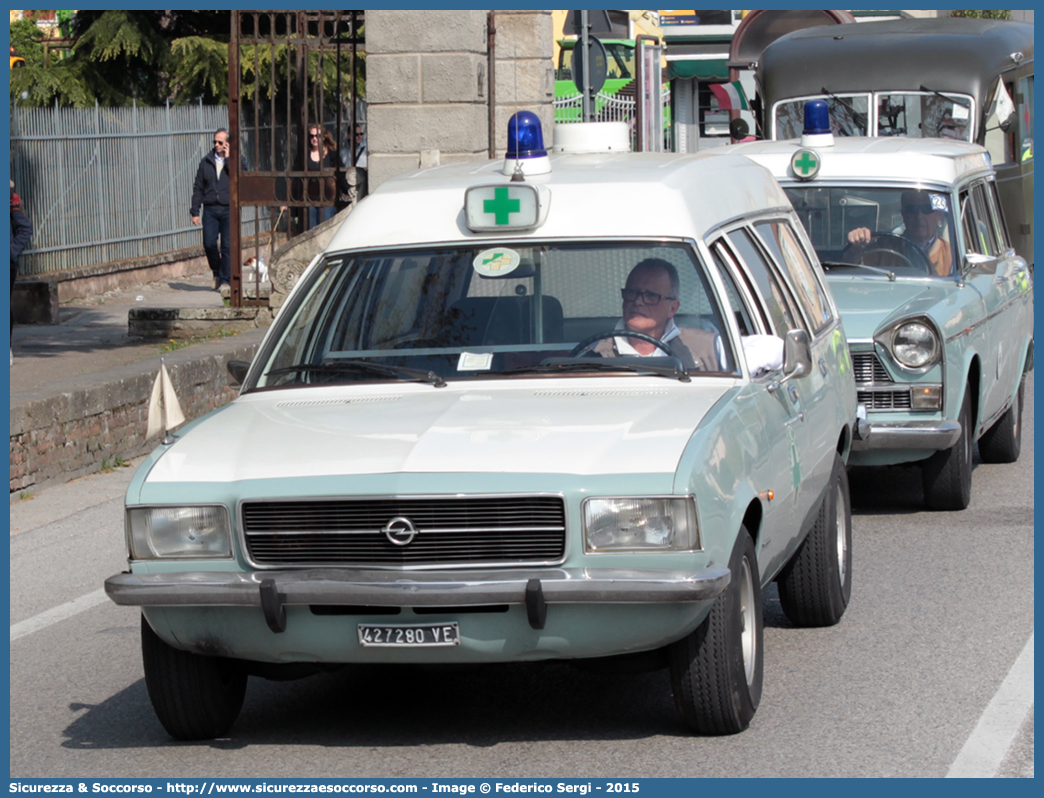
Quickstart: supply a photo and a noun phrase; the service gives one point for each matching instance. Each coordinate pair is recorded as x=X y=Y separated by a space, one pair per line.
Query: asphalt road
x=925 y=676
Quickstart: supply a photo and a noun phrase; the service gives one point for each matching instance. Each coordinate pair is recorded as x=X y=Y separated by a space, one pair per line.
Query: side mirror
x=977 y=262
x=238 y=370
x=797 y=354
x=797 y=358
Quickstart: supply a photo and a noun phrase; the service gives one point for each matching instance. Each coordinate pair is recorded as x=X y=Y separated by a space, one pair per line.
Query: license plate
x=435 y=634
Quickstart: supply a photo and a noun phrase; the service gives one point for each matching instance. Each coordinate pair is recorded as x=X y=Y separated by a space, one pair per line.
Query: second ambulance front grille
x=451 y=531
x=868 y=368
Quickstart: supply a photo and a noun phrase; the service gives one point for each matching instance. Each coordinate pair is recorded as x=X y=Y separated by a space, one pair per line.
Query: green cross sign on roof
x=501 y=205
x=805 y=164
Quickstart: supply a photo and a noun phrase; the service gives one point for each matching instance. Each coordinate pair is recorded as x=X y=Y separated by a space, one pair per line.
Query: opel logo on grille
x=400 y=531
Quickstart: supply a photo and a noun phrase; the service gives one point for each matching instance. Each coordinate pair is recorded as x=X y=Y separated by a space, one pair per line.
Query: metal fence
x=611 y=108
x=109 y=184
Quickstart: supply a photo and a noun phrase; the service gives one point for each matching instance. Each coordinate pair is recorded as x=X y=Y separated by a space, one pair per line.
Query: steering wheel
x=896 y=246
x=585 y=344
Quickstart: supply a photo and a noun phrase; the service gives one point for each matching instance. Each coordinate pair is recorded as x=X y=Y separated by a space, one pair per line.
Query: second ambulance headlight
x=915 y=345
x=641 y=524
x=155 y=533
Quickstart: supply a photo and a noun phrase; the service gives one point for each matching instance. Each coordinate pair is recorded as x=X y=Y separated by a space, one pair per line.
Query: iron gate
x=288 y=71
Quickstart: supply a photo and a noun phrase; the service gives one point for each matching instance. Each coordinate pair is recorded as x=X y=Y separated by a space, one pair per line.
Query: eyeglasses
x=218 y=141
x=927 y=210
x=648 y=297
x=313 y=135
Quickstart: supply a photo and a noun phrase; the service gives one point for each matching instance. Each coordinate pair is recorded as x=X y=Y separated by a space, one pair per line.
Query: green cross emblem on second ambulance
x=805 y=164
x=501 y=206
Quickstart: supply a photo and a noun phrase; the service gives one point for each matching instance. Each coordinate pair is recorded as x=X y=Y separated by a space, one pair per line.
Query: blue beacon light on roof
x=526 y=154
x=525 y=136
x=816 y=131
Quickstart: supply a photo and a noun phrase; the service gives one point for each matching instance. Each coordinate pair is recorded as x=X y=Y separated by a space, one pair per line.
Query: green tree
x=154 y=57
x=987 y=14
x=25 y=39
x=124 y=56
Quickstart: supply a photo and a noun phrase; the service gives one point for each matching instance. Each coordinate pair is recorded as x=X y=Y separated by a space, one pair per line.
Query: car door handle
x=796 y=399
x=822 y=367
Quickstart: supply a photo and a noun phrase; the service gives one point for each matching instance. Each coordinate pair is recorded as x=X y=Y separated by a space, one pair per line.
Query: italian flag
x=730 y=96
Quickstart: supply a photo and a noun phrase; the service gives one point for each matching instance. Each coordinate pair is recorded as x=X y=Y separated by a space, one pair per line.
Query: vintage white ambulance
x=498 y=420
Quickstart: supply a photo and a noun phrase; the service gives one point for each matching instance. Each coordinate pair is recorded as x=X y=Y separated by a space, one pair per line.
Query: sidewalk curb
x=101 y=416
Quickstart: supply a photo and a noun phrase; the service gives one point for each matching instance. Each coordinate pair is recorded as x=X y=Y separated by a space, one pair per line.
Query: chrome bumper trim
x=398 y=589
x=936 y=435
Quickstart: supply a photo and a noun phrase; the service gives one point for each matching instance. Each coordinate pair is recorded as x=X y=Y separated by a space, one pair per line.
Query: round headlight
x=915 y=345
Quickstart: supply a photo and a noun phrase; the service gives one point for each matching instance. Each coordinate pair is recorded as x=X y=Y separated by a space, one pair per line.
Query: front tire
x=195 y=697
x=716 y=670
x=947 y=476
x=815 y=586
x=1002 y=443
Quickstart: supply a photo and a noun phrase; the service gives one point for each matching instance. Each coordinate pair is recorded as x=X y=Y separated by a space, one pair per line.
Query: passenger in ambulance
x=650 y=302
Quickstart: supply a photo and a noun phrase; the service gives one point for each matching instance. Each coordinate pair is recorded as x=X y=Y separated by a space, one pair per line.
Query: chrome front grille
x=450 y=531
x=868 y=368
x=898 y=399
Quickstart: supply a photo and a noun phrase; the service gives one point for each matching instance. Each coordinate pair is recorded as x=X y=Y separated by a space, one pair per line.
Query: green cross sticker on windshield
x=501 y=206
x=805 y=164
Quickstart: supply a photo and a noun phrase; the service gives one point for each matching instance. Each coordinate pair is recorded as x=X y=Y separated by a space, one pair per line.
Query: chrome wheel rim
x=1016 y=407
x=748 y=636
x=842 y=534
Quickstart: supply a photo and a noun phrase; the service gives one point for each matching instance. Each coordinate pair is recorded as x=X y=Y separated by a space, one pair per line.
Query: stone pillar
x=428 y=87
x=524 y=71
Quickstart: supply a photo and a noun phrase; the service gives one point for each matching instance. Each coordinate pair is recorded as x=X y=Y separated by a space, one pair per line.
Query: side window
x=783 y=243
x=783 y=315
x=727 y=268
x=975 y=221
x=985 y=219
x=1000 y=230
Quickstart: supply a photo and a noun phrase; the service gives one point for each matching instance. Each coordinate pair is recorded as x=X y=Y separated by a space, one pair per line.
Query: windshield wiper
x=362 y=365
x=954 y=100
x=592 y=364
x=828 y=264
x=857 y=116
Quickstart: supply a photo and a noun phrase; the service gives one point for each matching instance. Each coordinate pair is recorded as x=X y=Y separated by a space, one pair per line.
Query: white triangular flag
x=164 y=408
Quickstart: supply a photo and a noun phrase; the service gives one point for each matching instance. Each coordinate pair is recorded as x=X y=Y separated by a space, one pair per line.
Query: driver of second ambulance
x=650 y=302
x=923 y=219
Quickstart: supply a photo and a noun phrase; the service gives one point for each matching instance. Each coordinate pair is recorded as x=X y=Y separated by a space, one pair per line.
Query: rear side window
x=783 y=315
x=726 y=267
x=980 y=227
x=783 y=243
x=1000 y=229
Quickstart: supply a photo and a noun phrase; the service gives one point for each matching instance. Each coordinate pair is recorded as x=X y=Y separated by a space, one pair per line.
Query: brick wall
x=62 y=437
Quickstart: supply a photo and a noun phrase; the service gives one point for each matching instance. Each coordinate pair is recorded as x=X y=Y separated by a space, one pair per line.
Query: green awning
x=711 y=70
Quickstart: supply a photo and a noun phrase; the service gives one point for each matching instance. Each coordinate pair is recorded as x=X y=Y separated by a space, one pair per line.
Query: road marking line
x=56 y=614
x=983 y=753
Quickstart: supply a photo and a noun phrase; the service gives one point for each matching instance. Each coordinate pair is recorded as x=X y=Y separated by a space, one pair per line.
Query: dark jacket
x=209 y=189
x=21 y=232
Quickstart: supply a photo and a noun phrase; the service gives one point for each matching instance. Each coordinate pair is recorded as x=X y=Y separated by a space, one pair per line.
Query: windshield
x=915 y=114
x=849 y=115
x=904 y=231
x=468 y=312
x=924 y=115
x=619 y=61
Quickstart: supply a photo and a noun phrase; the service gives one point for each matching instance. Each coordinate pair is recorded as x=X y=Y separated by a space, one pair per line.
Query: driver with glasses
x=650 y=301
x=924 y=219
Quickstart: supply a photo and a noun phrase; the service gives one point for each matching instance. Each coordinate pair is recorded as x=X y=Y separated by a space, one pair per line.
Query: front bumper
x=922 y=435
x=274 y=590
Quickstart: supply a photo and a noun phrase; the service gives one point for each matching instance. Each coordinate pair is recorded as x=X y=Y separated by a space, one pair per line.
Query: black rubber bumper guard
x=273 y=605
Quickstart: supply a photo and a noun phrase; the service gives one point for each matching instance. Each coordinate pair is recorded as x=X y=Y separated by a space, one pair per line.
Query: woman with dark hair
x=322 y=154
